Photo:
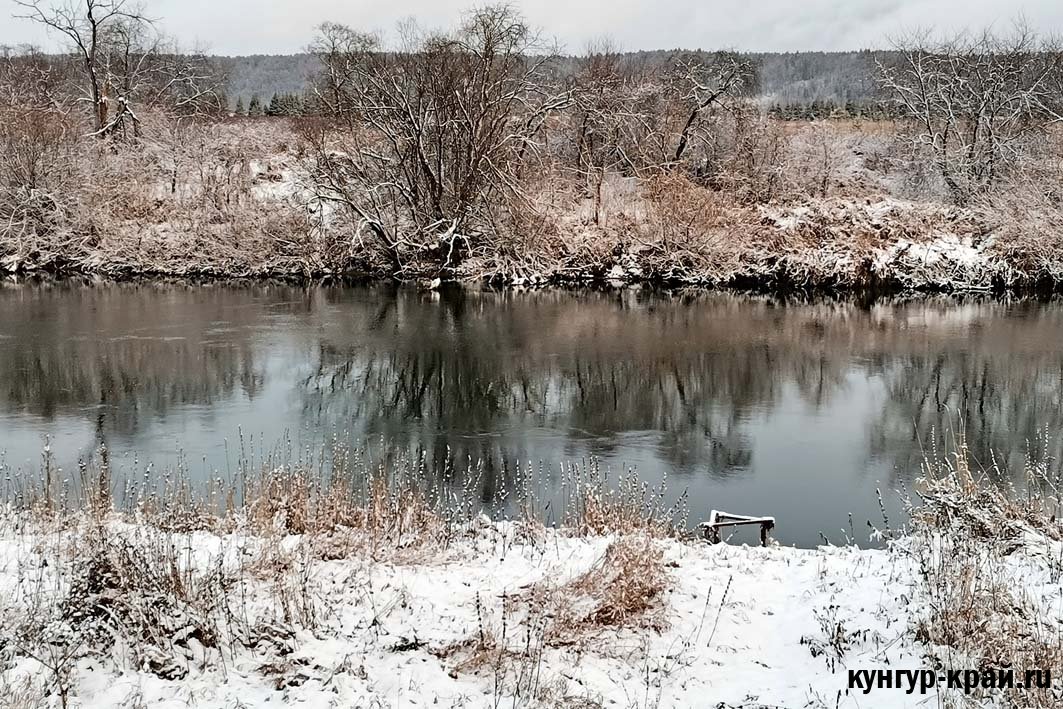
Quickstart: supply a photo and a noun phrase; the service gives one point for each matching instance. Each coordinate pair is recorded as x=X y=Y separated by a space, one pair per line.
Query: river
x=797 y=408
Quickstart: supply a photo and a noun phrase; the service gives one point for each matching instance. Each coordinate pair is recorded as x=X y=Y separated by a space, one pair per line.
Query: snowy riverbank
x=268 y=221
x=479 y=624
x=309 y=594
x=499 y=618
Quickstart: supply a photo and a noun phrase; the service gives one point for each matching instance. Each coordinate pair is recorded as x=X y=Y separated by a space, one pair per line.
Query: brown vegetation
x=478 y=153
x=176 y=581
x=988 y=557
x=157 y=575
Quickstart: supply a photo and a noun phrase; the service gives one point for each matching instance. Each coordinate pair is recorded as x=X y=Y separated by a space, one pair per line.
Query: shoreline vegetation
x=481 y=153
x=365 y=585
x=867 y=241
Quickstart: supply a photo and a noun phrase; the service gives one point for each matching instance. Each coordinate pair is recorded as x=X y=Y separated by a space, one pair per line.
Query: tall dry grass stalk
x=168 y=577
x=990 y=561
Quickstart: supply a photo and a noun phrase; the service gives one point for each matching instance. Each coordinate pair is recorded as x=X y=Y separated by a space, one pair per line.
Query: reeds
x=160 y=573
x=989 y=556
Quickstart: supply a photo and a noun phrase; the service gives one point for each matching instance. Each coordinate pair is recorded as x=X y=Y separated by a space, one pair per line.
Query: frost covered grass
x=112 y=614
x=990 y=572
x=362 y=584
x=839 y=206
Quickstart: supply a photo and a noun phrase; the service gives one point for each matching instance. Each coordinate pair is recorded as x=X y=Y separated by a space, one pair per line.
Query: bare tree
x=600 y=107
x=91 y=28
x=977 y=101
x=703 y=83
x=432 y=134
x=123 y=61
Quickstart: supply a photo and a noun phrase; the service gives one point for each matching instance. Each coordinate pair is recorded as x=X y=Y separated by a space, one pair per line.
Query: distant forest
x=791 y=84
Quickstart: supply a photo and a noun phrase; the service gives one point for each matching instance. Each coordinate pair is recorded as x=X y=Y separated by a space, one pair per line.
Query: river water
x=758 y=405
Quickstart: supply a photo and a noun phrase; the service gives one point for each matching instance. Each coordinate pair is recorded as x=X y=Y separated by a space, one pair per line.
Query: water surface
x=754 y=405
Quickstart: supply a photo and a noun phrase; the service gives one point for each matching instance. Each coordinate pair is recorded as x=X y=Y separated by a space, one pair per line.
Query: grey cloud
x=285 y=26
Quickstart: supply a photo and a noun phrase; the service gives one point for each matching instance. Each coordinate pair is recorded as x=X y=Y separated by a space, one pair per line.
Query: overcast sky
x=285 y=26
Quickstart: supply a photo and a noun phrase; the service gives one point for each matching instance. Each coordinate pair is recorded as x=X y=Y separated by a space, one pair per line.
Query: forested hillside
x=786 y=79
x=264 y=75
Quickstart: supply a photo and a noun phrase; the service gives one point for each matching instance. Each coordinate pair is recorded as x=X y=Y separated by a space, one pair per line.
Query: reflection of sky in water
x=798 y=411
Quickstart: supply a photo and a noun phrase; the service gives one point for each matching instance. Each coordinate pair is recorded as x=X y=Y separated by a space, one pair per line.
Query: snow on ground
x=741 y=626
x=944 y=260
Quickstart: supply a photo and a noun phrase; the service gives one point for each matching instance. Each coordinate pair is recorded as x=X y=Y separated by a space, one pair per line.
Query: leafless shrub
x=976 y=101
x=427 y=136
x=685 y=211
x=38 y=170
x=753 y=168
x=831 y=158
x=39 y=160
x=1024 y=216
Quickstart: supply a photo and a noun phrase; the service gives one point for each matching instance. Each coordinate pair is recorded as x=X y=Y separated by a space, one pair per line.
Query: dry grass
x=1024 y=218
x=145 y=571
x=785 y=204
x=159 y=578
x=191 y=198
x=599 y=505
x=169 y=594
x=991 y=562
x=624 y=589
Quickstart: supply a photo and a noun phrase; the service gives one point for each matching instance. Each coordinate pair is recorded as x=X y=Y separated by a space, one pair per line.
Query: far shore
x=862 y=230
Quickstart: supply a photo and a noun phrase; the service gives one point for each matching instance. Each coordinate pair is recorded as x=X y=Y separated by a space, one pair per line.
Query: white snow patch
x=745 y=626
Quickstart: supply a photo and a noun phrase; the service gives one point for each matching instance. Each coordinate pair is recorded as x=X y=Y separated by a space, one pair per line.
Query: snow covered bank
x=467 y=627
x=307 y=594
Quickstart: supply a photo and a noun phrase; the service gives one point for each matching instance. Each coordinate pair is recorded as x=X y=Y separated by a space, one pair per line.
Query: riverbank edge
x=602 y=278
x=373 y=588
x=503 y=612
x=498 y=613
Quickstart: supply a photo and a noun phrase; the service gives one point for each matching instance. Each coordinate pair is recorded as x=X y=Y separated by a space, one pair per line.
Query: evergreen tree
x=285 y=105
x=240 y=109
x=298 y=106
x=254 y=109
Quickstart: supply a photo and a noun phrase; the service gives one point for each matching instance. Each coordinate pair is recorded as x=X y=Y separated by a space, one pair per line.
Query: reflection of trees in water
x=480 y=375
x=996 y=382
x=599 y=368
x=691 y=371
x=1004 y=408
x=119 y=353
